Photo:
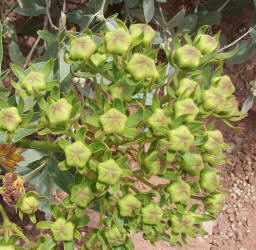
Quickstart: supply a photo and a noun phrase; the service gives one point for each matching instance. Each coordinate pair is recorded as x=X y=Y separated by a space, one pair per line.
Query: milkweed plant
x=143 y=164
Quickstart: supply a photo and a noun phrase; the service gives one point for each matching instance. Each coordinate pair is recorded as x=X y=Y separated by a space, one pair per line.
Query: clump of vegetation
x=90 y=142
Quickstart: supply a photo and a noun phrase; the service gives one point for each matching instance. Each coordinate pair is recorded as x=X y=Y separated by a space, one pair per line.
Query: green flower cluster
x=114 y=143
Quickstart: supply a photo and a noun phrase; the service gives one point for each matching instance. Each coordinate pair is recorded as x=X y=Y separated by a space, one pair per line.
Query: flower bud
x=113 y=121
x=159 y=121
x=179 y=191
x=117 y=41
x=95 y=242
x=186 y=107
x=206 y=43
x=59 y=112
x=77 y=154
x=34 y=80
x=230 y=107
x=214 y=142
x=214 y=160
x=142 y=67
x=187 y=57
x=192 y=164
x=223 y=84
x=98 y=59
x=109 y=172
x=180 y=138
x=186 y=87
x=209 y=180
x=213 y=99
x=81 y=194
x=152 y=214
x=214 y=203
x=62 y=230
x=29 y=205
x=128 y=205
x=145 y=29
x=155 y=163
x=182 y=223
x=115 y=237
x=82 y=47
x=9 y=118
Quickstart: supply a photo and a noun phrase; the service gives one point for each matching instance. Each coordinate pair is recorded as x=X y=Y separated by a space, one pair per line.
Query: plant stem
x=13 y=227
x=98 y=70
x=134 y=189
x=141 y=179
x=97 y=91
x=31 y=174
x=34 y=45
x=223 y=6
x=237 y=40
x=101 y=214
x=197 y=197
x=39 y=145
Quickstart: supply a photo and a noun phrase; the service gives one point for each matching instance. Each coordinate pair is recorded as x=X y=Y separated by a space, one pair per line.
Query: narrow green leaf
x=69 y=245
x=228 y=54
x=23 y=132
x=129 y=132
x=48 y=68
x=4 y=74
x=97 y=147
x=62 y=178
x=16 y=85
x=134 y=119
x=15 y=53
x=49 y=244
x=3 y=103
x=92 y=120
x=81 y=222
x=47 y=36
x=81 y=134
x=56 y=212
x=18 y=71
x=230 y=125
x=77 y=235
x=44 y=224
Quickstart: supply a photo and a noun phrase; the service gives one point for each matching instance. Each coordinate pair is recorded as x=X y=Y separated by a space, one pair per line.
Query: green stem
x=101 y=214
x=197 y=197
x=97 y=91
x=39 y=145
x=7 y=224
x=98 y=70
x=141 y=179
x=4 y=215
x=134 y=189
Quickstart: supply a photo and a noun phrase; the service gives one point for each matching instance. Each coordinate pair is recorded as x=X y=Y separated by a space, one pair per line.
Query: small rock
x=230 y=234
x=232 y=218
x=230 y=210
x=249 y=223
x=239 y=235
x=252 y=180
x=238 y=170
